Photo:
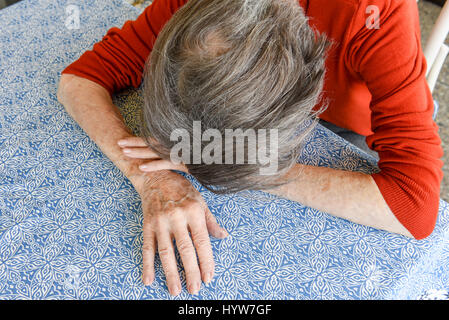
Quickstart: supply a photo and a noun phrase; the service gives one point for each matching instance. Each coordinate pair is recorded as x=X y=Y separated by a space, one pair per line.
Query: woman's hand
x=172 y=208
x=136 y=147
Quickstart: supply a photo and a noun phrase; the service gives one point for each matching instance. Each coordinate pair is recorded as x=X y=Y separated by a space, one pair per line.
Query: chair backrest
x=435 y=50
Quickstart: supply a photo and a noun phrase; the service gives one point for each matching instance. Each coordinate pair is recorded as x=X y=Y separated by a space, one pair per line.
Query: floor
x=4 y=3
x=428 y=15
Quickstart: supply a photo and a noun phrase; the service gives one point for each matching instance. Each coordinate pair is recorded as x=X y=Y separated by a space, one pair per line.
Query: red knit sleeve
x=118 y=60
x=391 y=62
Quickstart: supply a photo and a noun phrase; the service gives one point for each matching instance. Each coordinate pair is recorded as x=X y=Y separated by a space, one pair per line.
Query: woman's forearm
x=349 y=195
x=91 y=106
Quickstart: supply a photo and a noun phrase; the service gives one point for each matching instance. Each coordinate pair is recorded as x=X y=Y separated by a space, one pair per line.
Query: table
x=70 y=222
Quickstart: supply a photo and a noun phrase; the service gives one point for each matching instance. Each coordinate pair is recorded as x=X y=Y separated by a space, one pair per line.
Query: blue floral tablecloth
x=70 y=222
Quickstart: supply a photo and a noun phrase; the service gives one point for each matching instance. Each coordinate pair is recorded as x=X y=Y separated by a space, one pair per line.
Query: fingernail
x=147 y=280
x=224 y=233
x=175 y=290
x=194 y=288
x=121 y=142
x=126 y=150
x=143 y=167
x=208 y=278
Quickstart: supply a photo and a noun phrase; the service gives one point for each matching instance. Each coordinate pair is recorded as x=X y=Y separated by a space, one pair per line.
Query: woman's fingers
x=132 y=142
x=188 y=257
x=140 y=153
x=213 y=227
x=200 y=237
x=168 y=260
x=148 y=253
x=157 y=165
x=136 y=147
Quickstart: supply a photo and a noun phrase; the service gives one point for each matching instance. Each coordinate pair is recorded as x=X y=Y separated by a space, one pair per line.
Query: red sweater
x=375 y=82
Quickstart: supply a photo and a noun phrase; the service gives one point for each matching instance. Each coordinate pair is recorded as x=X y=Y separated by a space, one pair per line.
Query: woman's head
x=235 y=64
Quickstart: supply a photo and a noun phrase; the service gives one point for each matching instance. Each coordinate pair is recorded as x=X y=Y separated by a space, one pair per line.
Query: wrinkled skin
x=172 y=209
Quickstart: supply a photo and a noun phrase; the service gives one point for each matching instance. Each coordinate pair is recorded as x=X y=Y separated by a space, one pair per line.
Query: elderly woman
x=263 y=64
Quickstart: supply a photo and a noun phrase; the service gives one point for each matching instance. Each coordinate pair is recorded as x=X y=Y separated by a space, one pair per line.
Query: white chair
x=435 y=50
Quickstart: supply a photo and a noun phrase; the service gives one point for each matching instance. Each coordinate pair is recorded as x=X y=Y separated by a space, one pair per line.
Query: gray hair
x=235 y=64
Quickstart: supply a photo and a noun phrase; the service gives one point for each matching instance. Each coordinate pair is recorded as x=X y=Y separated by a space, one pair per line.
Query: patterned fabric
x=70 y=222
x=435 y=295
